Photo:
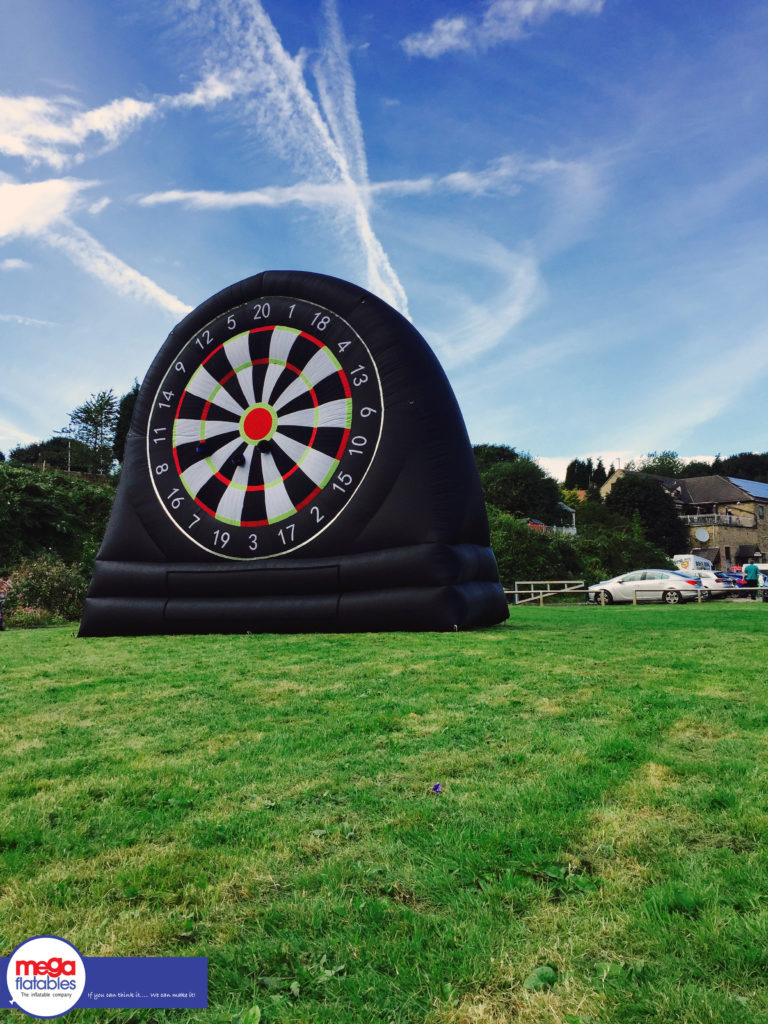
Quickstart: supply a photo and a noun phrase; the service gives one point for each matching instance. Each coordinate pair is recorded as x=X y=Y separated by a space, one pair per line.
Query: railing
x=719 y=520
x=526 y=591
x=574 y=587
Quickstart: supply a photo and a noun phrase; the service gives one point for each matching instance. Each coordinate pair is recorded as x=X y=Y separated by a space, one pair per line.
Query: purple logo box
x=175 y=982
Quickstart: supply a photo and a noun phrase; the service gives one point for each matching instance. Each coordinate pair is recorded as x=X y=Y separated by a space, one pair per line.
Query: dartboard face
x=263 y=427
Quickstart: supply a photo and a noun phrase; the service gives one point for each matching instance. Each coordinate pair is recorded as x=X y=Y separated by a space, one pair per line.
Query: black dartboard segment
x=263 y=427
x=296 y=462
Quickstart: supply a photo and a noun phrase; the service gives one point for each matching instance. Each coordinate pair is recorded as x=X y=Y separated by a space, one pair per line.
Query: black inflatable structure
x=296 y=462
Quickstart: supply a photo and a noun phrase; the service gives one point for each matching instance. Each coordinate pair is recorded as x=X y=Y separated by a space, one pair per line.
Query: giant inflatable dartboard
x=296 y=462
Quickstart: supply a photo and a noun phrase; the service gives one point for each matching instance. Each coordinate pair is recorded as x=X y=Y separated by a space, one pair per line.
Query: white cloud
x=484 y=324
x=11 y=436
x=41 y=210
x=670 y=418
x=99 y=205
x=112 y=122
x=326 y=139
x=712 y=198
x=556 y=465
x=446 y=35
x=14 y=264
x=214 y=88
x=336 y=88
x=321 y=137
x=322 y=141
x=303 y=194
x=87 y=253
x=473 y=326
x=502 y=21
x=502 y=175
x=510 y=285
x=53 y=131
x=56 y=131
x=24 y=321
x=506 y=175
x=30 y=208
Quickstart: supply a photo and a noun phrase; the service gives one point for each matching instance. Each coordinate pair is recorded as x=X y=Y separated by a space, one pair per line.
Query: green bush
x=51 y=512
x=605 y=555
x=609 y=543
x=32 y=618
x=522 y=488
x=525 y=554
x=606 y=545
x=644 y=497
x=44 y=590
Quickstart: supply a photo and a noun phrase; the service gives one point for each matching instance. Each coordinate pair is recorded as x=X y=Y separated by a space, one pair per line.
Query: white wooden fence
x=526 y=591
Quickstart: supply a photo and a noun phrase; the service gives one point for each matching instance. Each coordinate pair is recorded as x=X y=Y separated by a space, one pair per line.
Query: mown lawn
x=268 y=802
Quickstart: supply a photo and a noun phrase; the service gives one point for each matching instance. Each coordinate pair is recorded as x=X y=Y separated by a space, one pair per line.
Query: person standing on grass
x=751 y=574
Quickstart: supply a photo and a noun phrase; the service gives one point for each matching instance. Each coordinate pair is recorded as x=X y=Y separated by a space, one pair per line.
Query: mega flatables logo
x=45 y=976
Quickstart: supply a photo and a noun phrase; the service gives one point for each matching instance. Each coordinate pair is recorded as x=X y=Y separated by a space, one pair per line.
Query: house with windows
x=725 y=516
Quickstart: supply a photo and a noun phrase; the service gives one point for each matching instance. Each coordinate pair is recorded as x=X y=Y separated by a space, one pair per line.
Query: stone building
x=725 y=516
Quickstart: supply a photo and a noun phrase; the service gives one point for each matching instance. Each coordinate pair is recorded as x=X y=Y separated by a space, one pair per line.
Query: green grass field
x=597 y=853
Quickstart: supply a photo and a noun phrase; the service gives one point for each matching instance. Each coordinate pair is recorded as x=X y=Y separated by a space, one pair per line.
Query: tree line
x=52 y=523
x=92 y=442
x=582 y=475
x=636 y=525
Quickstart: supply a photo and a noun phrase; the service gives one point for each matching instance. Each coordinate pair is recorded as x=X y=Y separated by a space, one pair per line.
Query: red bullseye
x=258 y=423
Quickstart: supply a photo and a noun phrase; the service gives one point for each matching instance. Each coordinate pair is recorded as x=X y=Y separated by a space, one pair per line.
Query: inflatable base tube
x=428 y=586
x=440 y=609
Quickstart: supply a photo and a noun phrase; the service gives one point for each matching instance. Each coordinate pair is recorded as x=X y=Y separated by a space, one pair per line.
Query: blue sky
x=567 y=197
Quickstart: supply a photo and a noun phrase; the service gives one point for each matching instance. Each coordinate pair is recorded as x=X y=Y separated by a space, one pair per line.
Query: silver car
x=647 y=585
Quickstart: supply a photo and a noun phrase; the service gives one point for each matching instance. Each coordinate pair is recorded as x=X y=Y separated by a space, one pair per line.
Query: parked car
x=716 y=583
x=734 y=577
x=649 y=585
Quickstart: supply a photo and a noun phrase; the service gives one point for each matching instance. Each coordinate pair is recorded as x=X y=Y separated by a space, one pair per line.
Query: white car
x=647 y=585
x=717 y=584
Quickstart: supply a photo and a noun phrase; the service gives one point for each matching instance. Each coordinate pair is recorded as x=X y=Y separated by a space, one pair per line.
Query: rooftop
x=753 y=487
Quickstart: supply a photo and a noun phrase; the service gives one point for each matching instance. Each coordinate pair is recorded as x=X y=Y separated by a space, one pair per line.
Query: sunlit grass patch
x=270 y=803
